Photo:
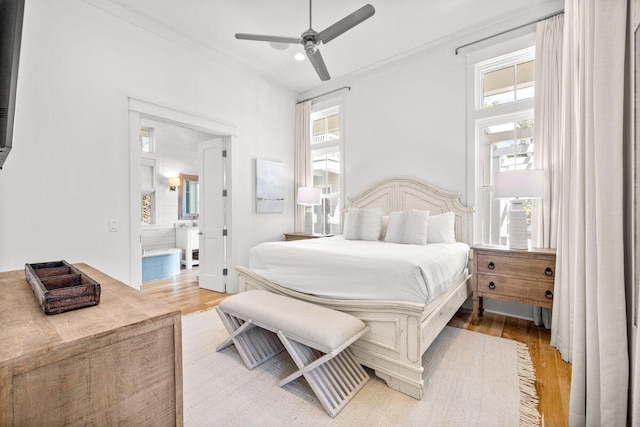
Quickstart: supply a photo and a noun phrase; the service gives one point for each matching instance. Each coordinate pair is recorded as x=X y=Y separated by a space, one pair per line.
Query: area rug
x=471 y=379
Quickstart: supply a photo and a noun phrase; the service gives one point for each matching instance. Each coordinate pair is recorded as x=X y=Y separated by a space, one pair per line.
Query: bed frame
x=400 y=332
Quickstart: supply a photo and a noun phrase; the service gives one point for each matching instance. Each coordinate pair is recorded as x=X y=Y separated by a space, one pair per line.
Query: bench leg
x=255 y=345
x=334 y=378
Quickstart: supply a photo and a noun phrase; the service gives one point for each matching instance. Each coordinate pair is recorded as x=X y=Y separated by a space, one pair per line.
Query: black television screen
x=11 y=15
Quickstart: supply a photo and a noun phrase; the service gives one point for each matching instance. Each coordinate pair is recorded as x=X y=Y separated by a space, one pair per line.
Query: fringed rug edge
x=529 y=414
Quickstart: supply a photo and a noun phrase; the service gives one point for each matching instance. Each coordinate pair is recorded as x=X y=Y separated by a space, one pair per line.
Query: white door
x=212 y=219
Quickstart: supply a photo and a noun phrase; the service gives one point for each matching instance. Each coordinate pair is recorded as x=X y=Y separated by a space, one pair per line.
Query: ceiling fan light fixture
x=299 y=56
x=279 y=46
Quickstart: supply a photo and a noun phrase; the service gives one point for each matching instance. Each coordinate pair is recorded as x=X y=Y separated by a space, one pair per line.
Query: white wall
x=408 y=120
x=68 y=173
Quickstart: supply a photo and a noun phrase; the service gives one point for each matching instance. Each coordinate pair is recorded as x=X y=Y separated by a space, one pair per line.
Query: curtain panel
x=589 y=324
x=547 y=133
x=302 y=153
x=547 y=129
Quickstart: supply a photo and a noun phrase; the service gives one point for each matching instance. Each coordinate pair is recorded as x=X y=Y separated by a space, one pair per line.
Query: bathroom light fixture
x=174 y=183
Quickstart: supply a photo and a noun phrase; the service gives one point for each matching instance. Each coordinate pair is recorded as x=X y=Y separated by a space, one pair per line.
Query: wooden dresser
x=525 y=276
x=116 y=363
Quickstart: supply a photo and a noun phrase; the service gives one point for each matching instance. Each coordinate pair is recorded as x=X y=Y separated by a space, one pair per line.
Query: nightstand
x=519 y=275
x=302 y=236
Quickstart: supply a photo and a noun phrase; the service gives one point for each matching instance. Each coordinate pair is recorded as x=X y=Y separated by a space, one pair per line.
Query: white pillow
x=364 y=224
x=442 y=228
x=408 y=227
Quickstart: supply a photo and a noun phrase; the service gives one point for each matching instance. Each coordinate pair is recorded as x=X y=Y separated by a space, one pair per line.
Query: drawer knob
x=548 y=295
x=493 y=285
x=548 y=271
x=491 y=266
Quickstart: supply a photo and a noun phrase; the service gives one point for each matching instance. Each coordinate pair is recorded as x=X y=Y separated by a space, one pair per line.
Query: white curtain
x=589 y=321
x=547 y=133
x=302 y=153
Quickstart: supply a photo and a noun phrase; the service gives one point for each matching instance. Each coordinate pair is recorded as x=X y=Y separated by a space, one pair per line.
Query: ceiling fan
x=312 y=39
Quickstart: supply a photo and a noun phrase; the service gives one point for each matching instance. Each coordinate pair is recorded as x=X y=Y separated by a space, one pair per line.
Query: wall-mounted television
x=11 y=16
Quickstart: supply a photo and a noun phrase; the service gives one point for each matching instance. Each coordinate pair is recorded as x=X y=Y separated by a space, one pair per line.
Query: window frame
x=490 y=59
x=497 y=63
x=481 y=164
x=152 y=141
x=149 y=159
x=326 y=108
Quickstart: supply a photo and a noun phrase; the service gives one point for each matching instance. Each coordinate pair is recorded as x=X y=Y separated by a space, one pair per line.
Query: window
x=509 y=84
x=502 y=117
x=148 y=189
x=505 y=79
x=146 y=140
x=506 y=145
x=326 y=164
x=147 y=216
x=147 y=175
x=326 y=129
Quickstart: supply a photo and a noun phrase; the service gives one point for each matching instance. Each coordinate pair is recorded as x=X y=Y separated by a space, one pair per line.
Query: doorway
x=208 y=141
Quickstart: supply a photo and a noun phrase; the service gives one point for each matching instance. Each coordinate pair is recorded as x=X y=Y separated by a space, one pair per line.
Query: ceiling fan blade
x=318 y=64
x=263 y=38
x=346 y=23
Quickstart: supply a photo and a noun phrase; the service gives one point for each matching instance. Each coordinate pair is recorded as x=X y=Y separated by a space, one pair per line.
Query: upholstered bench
x=317 y=339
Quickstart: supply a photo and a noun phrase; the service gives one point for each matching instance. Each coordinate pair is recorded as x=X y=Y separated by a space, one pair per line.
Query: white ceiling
x=398 y=27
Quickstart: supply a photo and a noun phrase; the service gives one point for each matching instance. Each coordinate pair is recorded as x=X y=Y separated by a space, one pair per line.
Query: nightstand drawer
x=517 y=289
x=513 y=265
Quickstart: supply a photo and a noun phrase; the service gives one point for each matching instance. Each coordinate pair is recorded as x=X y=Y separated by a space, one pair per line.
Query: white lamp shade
x=309 y=196
x=525 y=184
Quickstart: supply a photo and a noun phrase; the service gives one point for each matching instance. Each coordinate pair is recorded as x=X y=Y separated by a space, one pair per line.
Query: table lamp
x=308 y=197
x=518 y=185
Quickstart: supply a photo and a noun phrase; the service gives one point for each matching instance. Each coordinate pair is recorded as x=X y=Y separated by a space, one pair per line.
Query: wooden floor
x=183 y=292
x=553 y=375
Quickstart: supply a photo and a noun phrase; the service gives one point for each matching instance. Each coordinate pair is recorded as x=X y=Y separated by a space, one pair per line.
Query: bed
x=400 y=331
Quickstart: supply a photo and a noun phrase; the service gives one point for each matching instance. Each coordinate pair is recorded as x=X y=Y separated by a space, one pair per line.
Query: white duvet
x=333 y=267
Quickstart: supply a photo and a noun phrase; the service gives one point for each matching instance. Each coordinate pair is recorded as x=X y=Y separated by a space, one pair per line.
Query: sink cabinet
x=188 y=240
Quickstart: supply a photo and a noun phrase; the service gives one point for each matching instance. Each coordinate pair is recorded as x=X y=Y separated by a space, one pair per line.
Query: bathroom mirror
x=189 y=197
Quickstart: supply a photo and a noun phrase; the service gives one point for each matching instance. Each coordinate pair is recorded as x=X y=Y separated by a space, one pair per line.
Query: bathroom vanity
x=188 y=239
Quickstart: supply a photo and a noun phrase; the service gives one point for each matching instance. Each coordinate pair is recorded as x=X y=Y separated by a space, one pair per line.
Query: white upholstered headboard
x=398 y=193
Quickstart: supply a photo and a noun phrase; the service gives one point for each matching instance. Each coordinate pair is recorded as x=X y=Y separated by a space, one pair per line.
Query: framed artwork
x=269 y=186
